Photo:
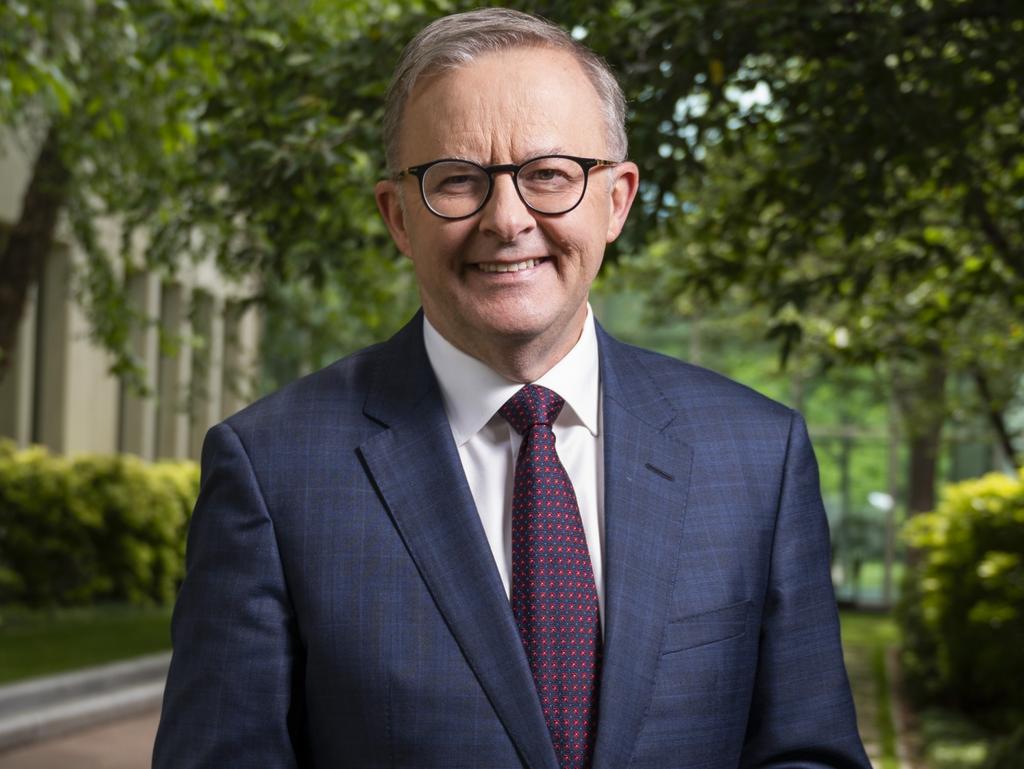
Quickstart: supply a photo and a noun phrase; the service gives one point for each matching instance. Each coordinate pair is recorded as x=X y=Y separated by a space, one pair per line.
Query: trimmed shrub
x=94 y=528
x=963 y=607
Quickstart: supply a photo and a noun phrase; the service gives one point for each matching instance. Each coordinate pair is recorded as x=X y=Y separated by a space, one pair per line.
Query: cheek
x=446 y=239
x=575 y=237
x=588 y=246
x=433 y=250
x=593 y=226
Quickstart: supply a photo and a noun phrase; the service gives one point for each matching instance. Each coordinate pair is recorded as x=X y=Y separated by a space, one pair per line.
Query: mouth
x=524 y=264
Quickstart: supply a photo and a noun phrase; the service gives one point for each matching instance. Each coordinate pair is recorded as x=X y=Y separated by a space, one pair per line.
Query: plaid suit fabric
x=342 y=606
x=554 y=598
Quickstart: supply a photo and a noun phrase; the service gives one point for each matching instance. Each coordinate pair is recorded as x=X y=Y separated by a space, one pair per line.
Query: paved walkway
x=859 y=666
x=125 y=744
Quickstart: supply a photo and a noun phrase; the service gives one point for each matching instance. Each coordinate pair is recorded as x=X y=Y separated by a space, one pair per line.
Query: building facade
x=58 y=390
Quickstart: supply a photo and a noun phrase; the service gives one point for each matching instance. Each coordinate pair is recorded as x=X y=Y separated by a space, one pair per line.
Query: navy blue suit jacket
x=342 y=607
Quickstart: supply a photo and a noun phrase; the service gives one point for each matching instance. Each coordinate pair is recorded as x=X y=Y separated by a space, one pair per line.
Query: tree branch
x=995 y=416
x=978 y=206
x=24 y=255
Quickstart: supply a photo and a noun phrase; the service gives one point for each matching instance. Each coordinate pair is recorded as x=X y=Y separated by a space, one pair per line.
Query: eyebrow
x=550 y=150
x=546 y=151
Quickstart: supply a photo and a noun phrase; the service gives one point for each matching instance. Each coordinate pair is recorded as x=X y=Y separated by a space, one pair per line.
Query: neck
x=519 y=359
x=522 y=363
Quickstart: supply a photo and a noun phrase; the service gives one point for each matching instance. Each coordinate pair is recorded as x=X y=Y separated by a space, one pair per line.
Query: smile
x=526 y=264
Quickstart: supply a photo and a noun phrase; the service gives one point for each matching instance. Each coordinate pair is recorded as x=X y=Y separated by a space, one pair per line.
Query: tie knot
x=532 y=405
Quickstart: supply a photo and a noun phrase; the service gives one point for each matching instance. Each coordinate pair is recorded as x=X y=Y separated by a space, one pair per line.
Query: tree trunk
x=924 y=409
x=30 y=241
x=923 y=470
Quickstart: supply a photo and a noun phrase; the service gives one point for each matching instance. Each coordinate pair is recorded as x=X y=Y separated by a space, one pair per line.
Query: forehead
x=504 y=106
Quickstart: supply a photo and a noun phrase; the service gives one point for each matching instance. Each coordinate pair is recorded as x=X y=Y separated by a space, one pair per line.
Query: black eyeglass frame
x=586 y=164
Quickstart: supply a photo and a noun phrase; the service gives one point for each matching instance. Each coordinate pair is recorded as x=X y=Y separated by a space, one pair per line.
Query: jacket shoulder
x=337 y=389
x=693 y=389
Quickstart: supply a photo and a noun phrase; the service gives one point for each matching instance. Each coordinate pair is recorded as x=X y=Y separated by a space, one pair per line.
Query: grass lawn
x=36 y=643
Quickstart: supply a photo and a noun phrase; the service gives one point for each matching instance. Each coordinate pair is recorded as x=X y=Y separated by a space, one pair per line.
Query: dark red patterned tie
x=554 y=598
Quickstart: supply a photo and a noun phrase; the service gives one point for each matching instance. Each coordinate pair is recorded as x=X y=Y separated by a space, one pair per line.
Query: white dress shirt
x=488 y=446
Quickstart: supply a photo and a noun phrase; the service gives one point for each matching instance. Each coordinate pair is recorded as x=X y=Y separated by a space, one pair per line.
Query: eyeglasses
x=457 y=189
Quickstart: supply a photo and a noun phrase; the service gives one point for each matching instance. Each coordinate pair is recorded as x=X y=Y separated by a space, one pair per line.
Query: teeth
x=505 y=267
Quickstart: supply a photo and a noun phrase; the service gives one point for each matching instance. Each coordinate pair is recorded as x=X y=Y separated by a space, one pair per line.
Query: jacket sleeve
x=802 y=714
x=231 y=697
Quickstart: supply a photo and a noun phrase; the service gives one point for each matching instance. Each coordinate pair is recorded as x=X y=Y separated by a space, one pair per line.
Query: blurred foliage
x=1009 y=753
x=963 y=612
x=835 y=154
x=854 y=168
x=240 y=132
x=95 y=528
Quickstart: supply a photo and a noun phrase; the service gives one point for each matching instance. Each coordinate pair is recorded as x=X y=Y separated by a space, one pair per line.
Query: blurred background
x=831 y=211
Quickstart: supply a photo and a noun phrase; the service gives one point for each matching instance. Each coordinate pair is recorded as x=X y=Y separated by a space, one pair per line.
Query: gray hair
x=456 y=40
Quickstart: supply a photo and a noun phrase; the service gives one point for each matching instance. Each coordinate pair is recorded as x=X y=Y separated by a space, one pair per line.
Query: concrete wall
x=59 y=391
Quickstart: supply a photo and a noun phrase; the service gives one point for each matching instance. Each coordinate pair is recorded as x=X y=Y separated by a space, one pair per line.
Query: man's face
x=507 y=107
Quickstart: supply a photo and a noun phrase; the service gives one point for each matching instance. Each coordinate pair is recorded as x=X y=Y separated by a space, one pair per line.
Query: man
x=409 y=559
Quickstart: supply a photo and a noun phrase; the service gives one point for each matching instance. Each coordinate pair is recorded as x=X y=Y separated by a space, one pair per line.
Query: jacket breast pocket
x=706 y=628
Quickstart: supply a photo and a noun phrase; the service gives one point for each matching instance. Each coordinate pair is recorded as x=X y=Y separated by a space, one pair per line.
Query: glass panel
x=552 y=184
x=453 y=188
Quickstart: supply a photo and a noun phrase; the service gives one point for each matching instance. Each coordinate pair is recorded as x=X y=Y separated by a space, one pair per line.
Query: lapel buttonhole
x=658 y=471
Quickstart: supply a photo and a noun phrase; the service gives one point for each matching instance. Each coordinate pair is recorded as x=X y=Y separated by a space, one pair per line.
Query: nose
x=505 y=215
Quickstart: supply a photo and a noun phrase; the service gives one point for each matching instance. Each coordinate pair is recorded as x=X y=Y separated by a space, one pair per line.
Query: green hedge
x=91 y=529
x=963 y=607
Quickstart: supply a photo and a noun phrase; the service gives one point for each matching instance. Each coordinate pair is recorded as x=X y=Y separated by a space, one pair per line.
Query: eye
x=455 y=180
x=545 y=174
x=550 y=175
x=452 y=178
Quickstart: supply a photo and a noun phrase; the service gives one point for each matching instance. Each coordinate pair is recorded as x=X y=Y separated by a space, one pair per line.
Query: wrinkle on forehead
x=504 y=107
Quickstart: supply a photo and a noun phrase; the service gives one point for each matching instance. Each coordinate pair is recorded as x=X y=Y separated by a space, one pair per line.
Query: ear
x=623 y=191
x=389 y=204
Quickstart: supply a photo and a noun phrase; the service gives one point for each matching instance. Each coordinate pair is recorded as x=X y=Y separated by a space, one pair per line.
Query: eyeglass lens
x=550 y=185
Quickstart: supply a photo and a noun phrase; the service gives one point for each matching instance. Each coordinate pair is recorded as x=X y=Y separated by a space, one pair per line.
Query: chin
x=522 y=325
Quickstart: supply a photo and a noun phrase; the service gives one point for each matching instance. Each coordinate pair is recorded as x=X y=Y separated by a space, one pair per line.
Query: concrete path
x=50 y=707
x=859 y=666
x=125 y=744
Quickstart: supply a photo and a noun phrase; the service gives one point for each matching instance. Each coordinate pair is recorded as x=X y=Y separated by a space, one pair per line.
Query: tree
x=109 y=121
x=856 y=168
x=242 y=132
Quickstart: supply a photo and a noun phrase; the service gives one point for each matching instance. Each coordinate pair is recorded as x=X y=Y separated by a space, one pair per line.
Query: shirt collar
x=473 y=392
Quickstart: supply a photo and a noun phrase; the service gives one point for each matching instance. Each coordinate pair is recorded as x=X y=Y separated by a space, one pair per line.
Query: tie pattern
x=554 y=598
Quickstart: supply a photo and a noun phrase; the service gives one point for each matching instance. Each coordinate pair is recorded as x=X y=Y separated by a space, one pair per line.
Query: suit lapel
x=415 y=466
x=647 y=476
